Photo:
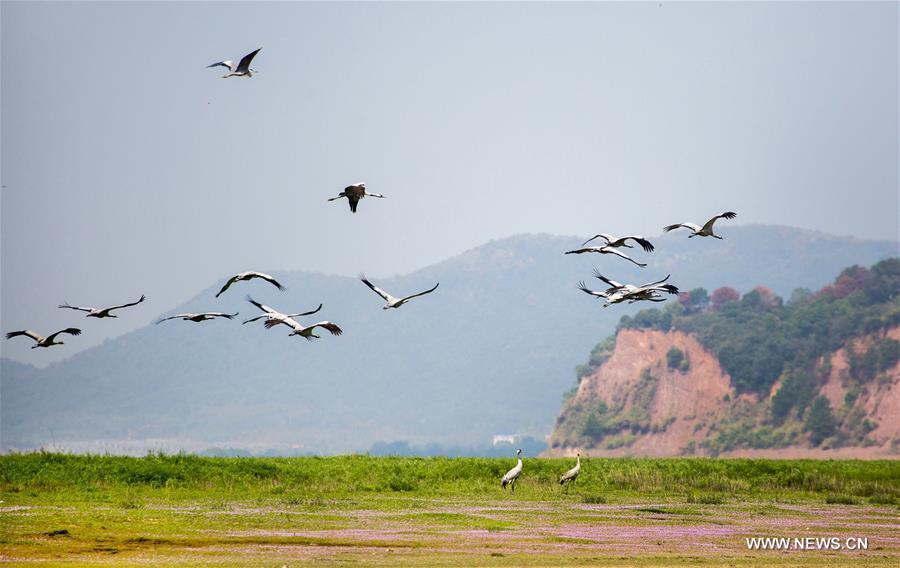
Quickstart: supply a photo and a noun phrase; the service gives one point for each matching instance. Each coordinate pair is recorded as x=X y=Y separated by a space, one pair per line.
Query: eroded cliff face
x=879 y=400
x=662 y=394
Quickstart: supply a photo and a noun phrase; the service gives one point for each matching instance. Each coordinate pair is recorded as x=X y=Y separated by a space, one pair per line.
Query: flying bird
x=704 y=231
x=612 y=241
x=274 y=317
x=101 y=312
x=630 y=293
x=199 y=317
x=242 y=69
x=606 y=249
x=354 y=193
x=616 y=286
x=307 y=331
x=513 y=474
x=44 y=341
x=393 y=302
x=571 y=475
x=249 y=275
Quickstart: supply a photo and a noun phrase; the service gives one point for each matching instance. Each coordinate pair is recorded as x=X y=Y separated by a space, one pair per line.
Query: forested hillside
x=818 y=370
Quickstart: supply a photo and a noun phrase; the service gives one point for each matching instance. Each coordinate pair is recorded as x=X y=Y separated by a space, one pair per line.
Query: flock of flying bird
x=617 y=293
x=614 y=294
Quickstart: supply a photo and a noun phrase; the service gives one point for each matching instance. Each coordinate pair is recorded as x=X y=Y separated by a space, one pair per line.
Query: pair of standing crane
x=512 y=475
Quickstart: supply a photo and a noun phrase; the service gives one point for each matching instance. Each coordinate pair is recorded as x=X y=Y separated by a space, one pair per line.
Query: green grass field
x=161 y=509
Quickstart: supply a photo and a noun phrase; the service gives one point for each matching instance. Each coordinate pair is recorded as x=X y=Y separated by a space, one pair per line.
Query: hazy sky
x=130 y=168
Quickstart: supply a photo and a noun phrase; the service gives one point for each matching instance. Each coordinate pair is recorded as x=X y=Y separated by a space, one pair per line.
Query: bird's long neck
x=577 y=461
x=519 y=465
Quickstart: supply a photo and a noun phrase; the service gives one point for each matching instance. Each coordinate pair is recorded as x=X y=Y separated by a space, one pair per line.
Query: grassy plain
x=167 y=509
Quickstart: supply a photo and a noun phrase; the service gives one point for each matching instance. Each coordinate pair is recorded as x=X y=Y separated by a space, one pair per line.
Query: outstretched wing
x=262 y=307
x=231 y=281
x=607 y=238
x=586 y=290
x=726 y=215
x=254 y=319
x=26 y=332
x=244 y=65
x=583 y=250
x=143 y=297
x=422 y=293
x=267 y=278
x=611 y=250
x=228 y=64
x=354 y=202
x=176 y=316
x=333 y=328
x=69 y=330
x=80 y=309
x=645 y=244
x=670 y=288
x=657 y=283
x=690 y=226
x=375 y=289
x=306 y=313
x=612 y=283
x=220 y=315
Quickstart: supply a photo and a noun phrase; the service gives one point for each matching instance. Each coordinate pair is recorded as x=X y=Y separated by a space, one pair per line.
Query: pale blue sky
x=130 y=168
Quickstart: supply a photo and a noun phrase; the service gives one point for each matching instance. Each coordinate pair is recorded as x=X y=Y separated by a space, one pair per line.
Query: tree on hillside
x=722 y=295
x=884 y=283
x=848 y=281
x=694 y=301
x=820 y=423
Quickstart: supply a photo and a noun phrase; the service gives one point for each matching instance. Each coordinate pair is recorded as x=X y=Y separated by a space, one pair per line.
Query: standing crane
x=101 y=312
x=513 y=474
x=704 y=231
x=571 y=475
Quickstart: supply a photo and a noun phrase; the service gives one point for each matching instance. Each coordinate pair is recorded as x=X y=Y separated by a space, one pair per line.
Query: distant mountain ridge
x=492 y=350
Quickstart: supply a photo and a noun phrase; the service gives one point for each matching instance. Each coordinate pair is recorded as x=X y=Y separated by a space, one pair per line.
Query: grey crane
x=242 y=69
x=704 y=231
x=274 y=317
x=198 y=317
x=41 y=341
x=249 y=275
x=393 y=302
x=354 y=193
x=571 y=475
x=612 y=241
x=513 y=474
x=101 y=312
x=307 y=331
